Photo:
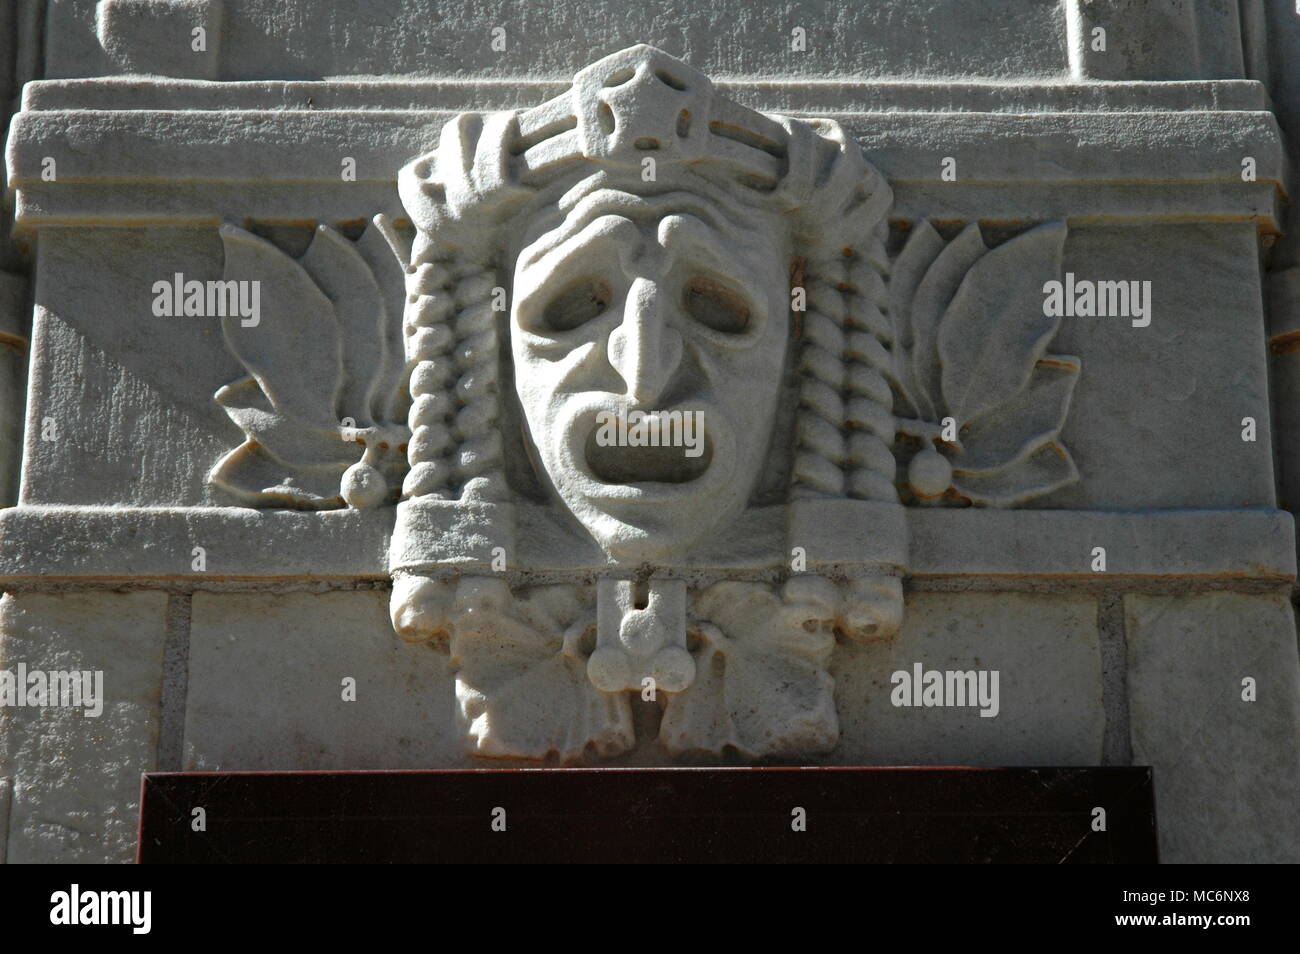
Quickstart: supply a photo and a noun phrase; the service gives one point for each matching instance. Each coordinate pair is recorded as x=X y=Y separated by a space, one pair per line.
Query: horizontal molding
x=1223 y=544
x=108 y=543
x=307 y=145
x=183 y=204
x=158 y=542
x=836 y=95
x=189 y=166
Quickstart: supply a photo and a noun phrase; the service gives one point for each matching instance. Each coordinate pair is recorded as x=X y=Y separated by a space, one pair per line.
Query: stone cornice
x=192 y=152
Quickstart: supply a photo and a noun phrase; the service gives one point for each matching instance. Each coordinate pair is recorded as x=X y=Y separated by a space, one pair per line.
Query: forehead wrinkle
x=697 y=241
x=549 y=236
x=549 y=254
x=707 y=196
x=595 y=197
x=688 y=236
x=703 y=237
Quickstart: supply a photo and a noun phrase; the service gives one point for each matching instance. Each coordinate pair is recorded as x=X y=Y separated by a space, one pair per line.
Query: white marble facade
x=452 y=385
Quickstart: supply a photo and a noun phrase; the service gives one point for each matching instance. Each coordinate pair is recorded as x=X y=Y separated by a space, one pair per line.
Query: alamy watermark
x=947 y=688
x=634 y=428
x=77 y=907
x=62 y=688
x=1085 y=298
x=231 y=298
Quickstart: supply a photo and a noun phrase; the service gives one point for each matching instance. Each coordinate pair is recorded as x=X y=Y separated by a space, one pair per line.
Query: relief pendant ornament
x=641 y=248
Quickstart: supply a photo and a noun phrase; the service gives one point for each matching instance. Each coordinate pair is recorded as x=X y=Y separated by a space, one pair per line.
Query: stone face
x=660 y=264
x=1227 y=770
x=76 y=778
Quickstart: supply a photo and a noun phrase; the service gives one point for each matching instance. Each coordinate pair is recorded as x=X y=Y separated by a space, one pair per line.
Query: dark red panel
x=1036 y=815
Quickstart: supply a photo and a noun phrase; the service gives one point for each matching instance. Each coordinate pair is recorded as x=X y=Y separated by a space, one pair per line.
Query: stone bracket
x=638 y=642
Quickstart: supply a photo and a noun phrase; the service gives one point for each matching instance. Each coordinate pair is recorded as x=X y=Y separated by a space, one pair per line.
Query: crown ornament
x=641 y=101
x=637 y=103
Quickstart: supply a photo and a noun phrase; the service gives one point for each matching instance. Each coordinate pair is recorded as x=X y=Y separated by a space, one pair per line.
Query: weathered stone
x=13 y=374
x=266 y=38
x=76 y=777
x=167 y=37
x=6 y=796
x=1123 y=49
x=1227 y=770
x=1048 y=714
x=266 y=686
x=463 y=265
x=153 y=442
x=1204 y=287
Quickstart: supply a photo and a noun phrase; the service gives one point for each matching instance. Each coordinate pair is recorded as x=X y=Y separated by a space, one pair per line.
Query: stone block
x=1152 y=398
x=1046 y=650
x=13 y=378
x=75 y=777
x=266 y=686
x=166 y=37
x=278 y=39
x=1155 y=39
x=153 y=441
x=6 y=796
x=1227 y=770
x=463 y=267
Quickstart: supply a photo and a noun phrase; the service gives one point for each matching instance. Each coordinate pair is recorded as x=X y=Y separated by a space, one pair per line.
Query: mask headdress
x=492 y=171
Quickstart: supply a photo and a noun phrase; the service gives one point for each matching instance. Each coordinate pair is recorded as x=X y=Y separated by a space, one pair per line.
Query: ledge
x=152 y=543
x=122 y=544
x=836 y=95
x=1223 y=544
x=132 y=152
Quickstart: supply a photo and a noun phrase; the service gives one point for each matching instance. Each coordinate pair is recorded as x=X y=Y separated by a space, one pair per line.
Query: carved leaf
x=327 y=348
x=290 y=441
x=1008 y=433
x=341 y=273
x=293 y=351
x=250 y=466
x=932 y=313
x=522 y=689
x=922 y=248
x=994 y=331
x=970 y=343
x=761 y=684
x=284 y=461
x=386 y=398
x=1046 y=469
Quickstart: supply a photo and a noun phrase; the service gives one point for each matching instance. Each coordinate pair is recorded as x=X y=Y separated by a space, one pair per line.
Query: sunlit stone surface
x=554 y=384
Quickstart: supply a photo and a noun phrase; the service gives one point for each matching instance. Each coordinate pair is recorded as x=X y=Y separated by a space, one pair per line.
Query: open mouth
x=623 y=464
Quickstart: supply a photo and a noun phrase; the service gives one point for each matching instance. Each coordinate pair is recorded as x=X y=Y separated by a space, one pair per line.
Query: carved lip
x=664 y=464
x=606 y=477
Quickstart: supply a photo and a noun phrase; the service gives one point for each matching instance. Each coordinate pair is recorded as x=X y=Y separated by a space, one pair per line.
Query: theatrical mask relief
x=638 y=344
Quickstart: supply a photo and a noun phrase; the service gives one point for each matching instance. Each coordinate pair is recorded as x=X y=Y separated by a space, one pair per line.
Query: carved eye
x=716 y=306
x=577 y=304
